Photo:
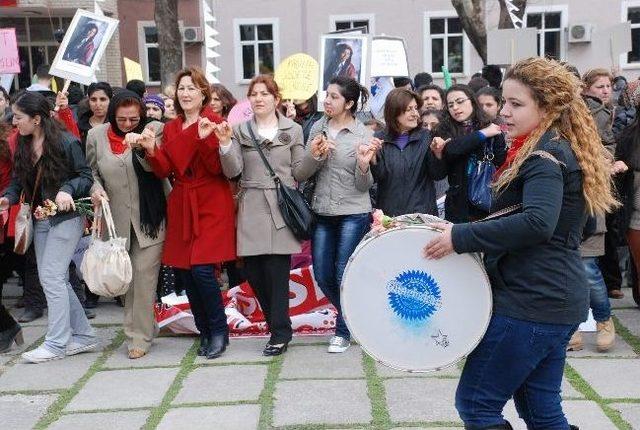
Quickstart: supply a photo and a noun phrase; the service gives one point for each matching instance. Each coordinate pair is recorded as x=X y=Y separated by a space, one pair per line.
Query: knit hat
x=631 y=94
x=155 y=100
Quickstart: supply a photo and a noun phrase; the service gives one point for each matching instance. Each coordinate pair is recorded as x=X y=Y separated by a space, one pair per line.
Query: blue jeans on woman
x=520 y=359
x=334 y=240
x=598 y=296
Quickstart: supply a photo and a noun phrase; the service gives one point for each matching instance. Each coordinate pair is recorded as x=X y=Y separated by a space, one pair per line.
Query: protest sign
x=389 y=57
x=297 y=77
x=132 y=69
x=508 y=46
x=9 y=59
x=83 y=46
x=240 y=113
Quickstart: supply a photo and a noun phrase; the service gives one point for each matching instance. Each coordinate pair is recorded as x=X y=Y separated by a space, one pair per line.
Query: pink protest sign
x=240 y=113
x=9 y=59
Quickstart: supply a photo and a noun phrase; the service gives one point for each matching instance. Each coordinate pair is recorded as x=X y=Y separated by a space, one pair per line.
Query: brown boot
x=606 y=336
x=575 y=343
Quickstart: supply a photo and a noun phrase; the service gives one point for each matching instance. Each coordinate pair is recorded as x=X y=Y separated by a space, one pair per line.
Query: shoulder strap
x=264 y=159
x=36 y=184
x=548 y=156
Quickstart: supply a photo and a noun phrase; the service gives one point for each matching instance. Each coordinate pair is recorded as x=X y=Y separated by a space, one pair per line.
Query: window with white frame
x=347 y=22
x=150 y=54
x=633 y=16
x=446 y=44
x=549 y=25
x=256 y=48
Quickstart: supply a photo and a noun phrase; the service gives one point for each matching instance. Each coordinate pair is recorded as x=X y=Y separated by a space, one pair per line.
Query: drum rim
x=476 y=342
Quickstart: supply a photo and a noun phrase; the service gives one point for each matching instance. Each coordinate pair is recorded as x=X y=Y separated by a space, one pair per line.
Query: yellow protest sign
x=132 y=69
x=297 y=77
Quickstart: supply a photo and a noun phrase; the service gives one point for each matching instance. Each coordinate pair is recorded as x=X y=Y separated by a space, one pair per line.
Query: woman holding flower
x=49 y=164
x=123 y=176
x=200 y=212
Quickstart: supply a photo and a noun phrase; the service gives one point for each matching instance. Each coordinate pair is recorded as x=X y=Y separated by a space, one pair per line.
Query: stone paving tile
x=625 y=302
x=18 y=412
x=237 y=417
x=222 y=384
x=315 y=362
x=387 y=372
x=630 y=413
x=584 y=414
x=42 y=321
x=411 y=400
x=621 y=348
x=241 y=351
x=108 y=312
x=11 y=289
x=137 y=388
x=321 y=402
x=165 y=351
x=31 y=334
x=567 y=390
x=610 y=378
x=630 y=318
x=305 y=340
x=123 y=420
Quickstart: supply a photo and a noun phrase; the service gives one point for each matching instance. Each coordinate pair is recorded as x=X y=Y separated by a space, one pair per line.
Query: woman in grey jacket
x=341 y=197
x=264 y=240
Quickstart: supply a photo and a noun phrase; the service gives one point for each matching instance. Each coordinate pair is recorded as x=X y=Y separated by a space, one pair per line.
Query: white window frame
x=624 y=9
x=237 y=44
x=564 y=23
x=354 y=17
x=142 y=50
x=466 y=44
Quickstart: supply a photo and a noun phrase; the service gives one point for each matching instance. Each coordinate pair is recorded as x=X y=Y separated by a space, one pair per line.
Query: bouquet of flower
x=49 y=208
x=381 y=222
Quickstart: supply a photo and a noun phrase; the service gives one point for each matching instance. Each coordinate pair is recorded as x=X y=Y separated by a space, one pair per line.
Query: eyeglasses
x=455 y=103
x=131 y=120
x=411 y=109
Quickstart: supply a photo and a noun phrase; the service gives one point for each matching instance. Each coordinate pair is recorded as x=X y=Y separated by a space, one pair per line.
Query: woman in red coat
x=200 y=211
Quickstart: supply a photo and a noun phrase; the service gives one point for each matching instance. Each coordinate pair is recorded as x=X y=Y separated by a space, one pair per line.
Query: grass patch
x=267 y=396
x=376 y=393
x=186 y=366
x=55 y=410
x=590 y=394
x=625 y=334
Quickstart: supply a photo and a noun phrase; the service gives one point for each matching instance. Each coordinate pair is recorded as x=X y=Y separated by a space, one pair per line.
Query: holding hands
x=223 y=132
x=97 y=196
x=437 y=146
x=366 y=154
x=290 y=109
x=491 y=130
x=205 y=127
x=64 y=202
x=321 y=146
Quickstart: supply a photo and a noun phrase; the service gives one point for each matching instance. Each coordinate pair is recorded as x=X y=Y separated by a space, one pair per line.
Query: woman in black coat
x=466 y=135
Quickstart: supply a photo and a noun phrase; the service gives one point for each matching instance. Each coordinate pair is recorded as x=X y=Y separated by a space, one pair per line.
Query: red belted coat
x=200 y=209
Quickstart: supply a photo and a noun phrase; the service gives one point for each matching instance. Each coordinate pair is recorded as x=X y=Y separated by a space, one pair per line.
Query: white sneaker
x=76 y=347
x=338 y=344
x=41 y=355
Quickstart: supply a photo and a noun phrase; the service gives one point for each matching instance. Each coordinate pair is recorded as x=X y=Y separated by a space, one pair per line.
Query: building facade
x=255 y=35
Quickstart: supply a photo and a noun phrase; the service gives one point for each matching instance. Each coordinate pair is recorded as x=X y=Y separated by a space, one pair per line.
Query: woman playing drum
x=558 y=172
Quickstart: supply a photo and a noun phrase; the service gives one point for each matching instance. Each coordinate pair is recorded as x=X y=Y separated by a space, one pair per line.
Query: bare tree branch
x=471 y=14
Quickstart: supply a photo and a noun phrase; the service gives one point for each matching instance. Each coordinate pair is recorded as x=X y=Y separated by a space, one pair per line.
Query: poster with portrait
x=83 y=46
x=342 y=55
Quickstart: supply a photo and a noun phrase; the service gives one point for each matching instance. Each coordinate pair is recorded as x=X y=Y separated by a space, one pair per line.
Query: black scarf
x=153 y=204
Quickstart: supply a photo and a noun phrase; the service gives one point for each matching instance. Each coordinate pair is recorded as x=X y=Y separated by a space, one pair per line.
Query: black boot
x=217 y=345
x=505 y=426
x=572 y=427
x=9 y=336
x=204 y=345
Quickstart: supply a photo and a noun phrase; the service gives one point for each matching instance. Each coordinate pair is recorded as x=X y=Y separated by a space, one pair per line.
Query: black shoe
x=91 y=301
x=204 y=346
x=119 y=301
x=505 y=426
x=9 y=336
x=217 y=345
x=30 y=315
x=89 y=313
x=272 y=350
x=572 y=427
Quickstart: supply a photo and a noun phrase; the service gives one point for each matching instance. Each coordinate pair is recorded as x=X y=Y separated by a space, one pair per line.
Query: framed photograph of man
x=342 y=55
x=83 y=46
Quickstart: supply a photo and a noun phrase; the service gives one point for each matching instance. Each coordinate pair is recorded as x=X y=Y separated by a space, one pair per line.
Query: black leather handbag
x=294 y=208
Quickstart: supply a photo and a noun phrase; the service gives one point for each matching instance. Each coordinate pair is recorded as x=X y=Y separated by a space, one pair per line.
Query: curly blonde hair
x=557 y=92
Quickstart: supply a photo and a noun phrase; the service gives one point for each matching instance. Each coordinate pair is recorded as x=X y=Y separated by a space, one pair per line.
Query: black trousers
x=205 y=298
x=609 y=262
x=268 y=276
x=32 y=293
x=6 y=320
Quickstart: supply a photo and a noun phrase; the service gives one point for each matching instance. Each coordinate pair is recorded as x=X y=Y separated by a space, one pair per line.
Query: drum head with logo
x=411 y=313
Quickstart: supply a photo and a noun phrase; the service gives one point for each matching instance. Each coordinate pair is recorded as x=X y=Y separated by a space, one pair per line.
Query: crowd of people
x=555 y=152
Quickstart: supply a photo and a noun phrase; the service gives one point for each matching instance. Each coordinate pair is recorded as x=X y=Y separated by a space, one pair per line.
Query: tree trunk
x=471 y=14
x=515 y=18
x=169 y=39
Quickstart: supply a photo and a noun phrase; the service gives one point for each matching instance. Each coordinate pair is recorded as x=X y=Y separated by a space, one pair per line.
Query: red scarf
x=516 y=144
x=116 y=142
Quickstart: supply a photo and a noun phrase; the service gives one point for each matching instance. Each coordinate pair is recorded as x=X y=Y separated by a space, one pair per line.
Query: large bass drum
x=410 y=313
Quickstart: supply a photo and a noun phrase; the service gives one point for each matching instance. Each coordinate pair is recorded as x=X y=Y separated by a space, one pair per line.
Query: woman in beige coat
x=137 y=200
x=264 y=240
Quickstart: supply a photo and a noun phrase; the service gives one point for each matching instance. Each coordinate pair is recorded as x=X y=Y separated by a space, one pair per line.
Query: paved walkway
x=306 y=388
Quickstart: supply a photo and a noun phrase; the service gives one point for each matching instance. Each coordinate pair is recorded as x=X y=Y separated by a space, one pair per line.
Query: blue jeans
x=54 y=246
x=334 y=240
x=519 y=359
x=598 y=295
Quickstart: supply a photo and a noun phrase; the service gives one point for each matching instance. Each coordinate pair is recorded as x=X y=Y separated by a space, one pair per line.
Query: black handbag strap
x=264 y=159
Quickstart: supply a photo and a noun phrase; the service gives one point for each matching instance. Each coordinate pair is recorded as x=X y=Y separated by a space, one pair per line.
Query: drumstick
x=65 y=88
